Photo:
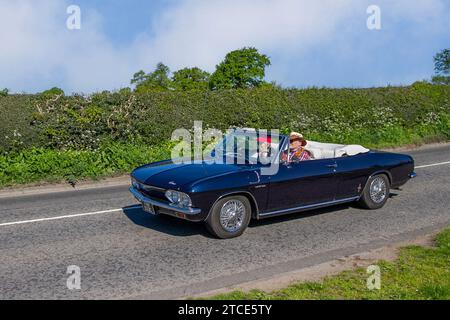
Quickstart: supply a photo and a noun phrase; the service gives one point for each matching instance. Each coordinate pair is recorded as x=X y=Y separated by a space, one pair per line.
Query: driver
x=297 y=151
x=264 y=147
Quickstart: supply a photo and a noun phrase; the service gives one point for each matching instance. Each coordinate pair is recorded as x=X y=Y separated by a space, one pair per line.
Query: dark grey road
x=129 y=254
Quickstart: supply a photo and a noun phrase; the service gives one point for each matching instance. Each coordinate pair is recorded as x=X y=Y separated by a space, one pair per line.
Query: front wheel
x=229 y=217
x=376 y=192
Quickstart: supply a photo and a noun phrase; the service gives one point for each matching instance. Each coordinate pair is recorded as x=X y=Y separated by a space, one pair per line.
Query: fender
x=386 y=172
x=251 y=198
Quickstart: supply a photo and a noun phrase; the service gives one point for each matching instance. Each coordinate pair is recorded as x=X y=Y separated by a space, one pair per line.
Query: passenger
x=297 y=151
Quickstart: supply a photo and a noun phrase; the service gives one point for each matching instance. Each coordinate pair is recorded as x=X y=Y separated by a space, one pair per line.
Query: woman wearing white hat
x=297 y=151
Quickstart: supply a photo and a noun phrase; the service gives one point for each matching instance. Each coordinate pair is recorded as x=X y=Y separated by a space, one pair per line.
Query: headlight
x=172 y=196
x=178 y=198
x=134 y=183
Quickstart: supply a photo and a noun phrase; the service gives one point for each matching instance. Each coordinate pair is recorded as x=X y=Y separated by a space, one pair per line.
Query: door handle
x=334 y=165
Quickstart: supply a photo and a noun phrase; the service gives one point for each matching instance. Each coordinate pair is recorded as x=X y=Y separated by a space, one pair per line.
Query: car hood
x=168 y=175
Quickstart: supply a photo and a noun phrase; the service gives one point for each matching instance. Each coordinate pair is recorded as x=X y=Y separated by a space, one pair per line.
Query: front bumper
x=167 y=208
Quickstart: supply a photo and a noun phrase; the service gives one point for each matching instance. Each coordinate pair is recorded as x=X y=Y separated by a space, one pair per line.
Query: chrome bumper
x=142 y=198
x=412 y=175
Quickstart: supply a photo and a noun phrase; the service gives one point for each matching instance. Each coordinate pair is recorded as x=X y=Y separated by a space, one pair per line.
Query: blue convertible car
x=228 y=194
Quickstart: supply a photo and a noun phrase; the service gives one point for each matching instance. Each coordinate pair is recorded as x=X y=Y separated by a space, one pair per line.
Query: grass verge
x=418 y=273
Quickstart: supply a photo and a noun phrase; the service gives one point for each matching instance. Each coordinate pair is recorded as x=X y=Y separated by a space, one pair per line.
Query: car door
x=303 y=183
x=351 y=173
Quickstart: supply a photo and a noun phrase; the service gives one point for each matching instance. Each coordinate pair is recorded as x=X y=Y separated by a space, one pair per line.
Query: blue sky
x=311 y=43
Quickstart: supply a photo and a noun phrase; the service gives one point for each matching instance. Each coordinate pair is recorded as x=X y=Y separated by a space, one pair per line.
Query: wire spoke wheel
x=232 y=215
x=378 y=190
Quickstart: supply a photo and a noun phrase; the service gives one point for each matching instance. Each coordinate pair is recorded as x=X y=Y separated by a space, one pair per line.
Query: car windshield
x=247 y=147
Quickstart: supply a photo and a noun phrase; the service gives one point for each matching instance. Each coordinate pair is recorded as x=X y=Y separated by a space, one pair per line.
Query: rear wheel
x=229 y=217
x=376 y=192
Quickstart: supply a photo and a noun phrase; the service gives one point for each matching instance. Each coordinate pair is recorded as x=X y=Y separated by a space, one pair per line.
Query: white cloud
x=38 y=51
x=202 y=32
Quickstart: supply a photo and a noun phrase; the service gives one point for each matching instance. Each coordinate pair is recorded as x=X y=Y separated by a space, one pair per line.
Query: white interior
x=321 y=150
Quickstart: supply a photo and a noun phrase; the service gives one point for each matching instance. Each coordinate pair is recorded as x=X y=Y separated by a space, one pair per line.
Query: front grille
x=152 y=192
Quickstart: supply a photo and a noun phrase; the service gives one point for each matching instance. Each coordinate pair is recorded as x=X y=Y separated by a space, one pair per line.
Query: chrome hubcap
x=232 y=215
x=378 y=190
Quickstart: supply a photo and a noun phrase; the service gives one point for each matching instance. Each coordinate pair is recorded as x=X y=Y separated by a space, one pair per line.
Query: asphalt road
x=130 y=254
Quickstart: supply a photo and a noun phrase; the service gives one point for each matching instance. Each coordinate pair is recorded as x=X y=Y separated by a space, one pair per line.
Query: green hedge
x=340 y=115
x=39 y=164
x=56 y=136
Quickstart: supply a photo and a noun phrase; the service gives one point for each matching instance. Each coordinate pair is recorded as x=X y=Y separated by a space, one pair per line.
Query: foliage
x=55 y=91
x=38 y=164
x=190 y=79
x=64 y=126
x=158 y=80
x=442 y=67
x=441 y=80
x=442 y=62
x=4 y=92
x=373 y=117
x=419 y=273
x=244 y=68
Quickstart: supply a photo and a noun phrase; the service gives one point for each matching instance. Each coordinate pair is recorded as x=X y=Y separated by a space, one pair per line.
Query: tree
x=442 y=62
x=55 y=91
x=4 y=92
x=244 y=68
x=139 y=77
x=157 y=80
x=442 y=67
x=190 y=79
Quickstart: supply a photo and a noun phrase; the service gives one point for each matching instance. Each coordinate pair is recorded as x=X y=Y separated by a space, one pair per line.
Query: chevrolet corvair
x=228 y=194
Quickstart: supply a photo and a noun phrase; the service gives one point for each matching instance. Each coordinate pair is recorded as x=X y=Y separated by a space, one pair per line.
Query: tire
x=222 y=225
x=376 y=192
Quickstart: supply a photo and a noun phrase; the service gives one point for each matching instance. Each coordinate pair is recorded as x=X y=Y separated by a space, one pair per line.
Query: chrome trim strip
x=147 y=187
x=307 y=207
x=150 y=188
x=141 y=198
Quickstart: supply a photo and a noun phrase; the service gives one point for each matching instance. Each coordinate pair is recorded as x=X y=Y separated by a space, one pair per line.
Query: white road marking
x=433 y=165
x=117 y=210
x=59 y=217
